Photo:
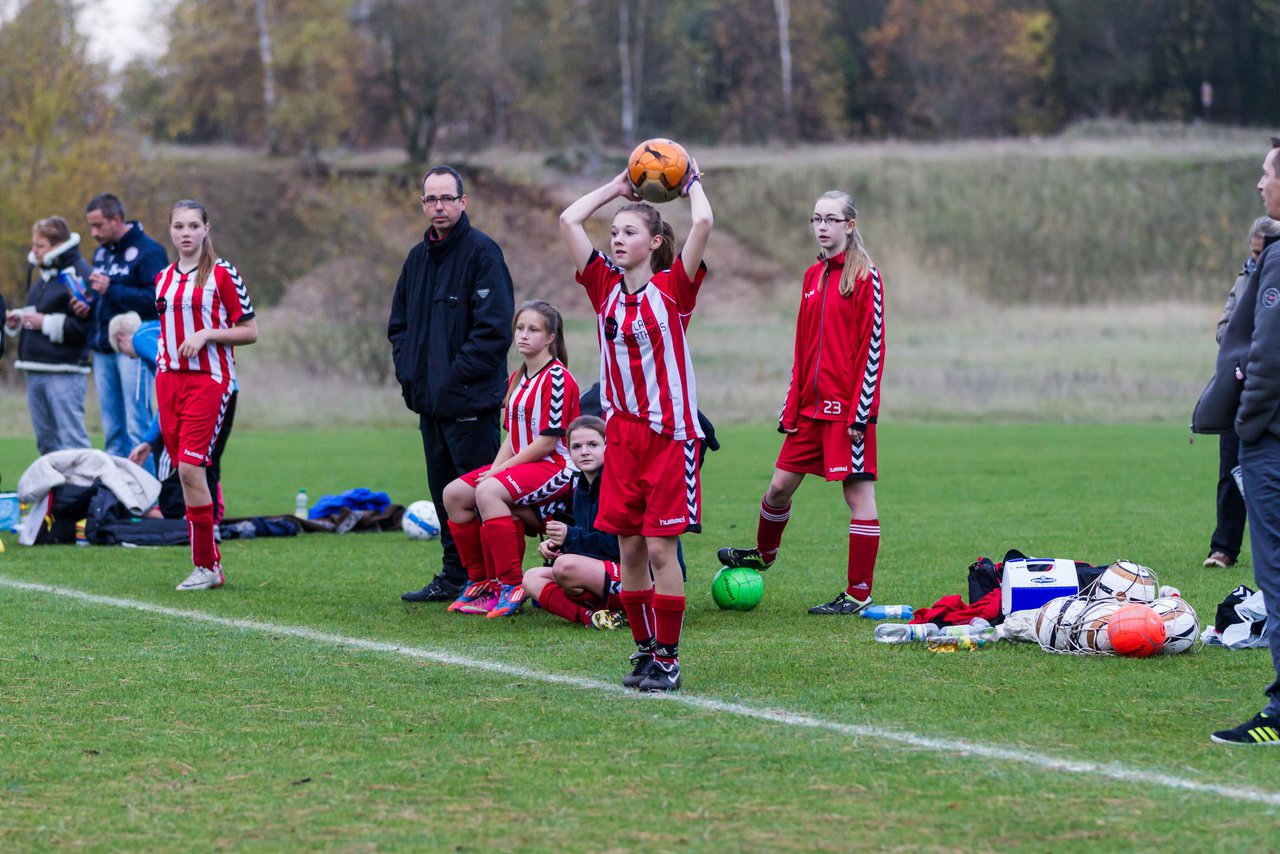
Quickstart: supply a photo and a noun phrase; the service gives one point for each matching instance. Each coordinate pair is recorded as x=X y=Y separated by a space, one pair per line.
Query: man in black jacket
x=450 y=330
x=1257 y=421
x=125 y=267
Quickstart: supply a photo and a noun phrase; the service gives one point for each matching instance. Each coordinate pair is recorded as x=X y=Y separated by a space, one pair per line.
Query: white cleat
x=203 y=579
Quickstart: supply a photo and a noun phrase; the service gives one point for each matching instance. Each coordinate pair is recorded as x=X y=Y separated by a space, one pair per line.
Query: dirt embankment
x=524 y=219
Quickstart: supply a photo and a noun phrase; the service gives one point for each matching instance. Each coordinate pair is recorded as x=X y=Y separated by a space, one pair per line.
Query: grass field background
x=128 y=730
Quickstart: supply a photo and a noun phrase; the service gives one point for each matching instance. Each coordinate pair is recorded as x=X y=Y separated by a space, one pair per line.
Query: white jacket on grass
x=132 y=484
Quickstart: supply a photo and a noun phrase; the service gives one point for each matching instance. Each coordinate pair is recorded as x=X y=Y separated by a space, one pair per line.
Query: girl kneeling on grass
x=532 y=467
x=204 y=312
x=582 y=584
x=650 y=493
x=829 y=416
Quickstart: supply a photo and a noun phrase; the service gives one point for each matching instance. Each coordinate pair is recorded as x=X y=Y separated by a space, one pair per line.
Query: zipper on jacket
x=822 y=322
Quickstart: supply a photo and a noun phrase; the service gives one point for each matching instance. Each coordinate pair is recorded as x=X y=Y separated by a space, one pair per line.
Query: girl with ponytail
x=833 y=401
x=644 y=295
x=204 y=313
x=531 y=470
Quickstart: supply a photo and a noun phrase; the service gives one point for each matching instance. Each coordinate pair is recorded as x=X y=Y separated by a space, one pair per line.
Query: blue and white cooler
x=1027 y=583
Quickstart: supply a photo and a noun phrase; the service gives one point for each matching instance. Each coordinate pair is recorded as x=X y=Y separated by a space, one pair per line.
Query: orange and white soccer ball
x=658 y=169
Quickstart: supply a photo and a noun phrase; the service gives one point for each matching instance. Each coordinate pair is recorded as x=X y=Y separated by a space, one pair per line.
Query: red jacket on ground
x=839 y=355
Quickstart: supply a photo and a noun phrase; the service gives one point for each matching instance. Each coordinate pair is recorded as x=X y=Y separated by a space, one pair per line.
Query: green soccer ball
x=737 y=589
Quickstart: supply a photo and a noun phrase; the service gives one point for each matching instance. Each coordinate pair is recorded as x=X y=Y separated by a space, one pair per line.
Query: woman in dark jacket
x=52 y=347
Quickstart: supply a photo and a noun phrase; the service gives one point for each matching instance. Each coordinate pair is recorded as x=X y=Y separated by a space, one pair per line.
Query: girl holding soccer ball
x=644 y=295
x=204 y=313
x=829 y=417
x=531 y=468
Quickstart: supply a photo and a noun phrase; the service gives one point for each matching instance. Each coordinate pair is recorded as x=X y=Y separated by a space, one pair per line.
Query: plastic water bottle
x=905 y=632
x=887 y=612
x=947 y=643
x=977 y=627
x=300 y=505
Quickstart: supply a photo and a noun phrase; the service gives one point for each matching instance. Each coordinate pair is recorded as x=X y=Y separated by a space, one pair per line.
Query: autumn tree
x=422 y=52
x=214 y=81
x=959 y=68
x=58 y=145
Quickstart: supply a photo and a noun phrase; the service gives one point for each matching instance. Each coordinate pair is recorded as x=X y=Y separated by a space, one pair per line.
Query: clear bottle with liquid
x=300 y=504
x=977 y=626
x=905 y=632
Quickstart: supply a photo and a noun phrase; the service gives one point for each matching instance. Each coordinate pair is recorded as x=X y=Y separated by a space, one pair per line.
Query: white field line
x=1041 y=761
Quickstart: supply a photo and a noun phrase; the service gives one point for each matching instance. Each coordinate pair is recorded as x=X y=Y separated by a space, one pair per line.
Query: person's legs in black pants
x=452 y=448
x=1229 y=533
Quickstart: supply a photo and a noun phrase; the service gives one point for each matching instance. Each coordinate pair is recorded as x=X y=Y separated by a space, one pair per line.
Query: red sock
x=554 y=601
x=204 y=551
x=504 y=543
x=466 y=536
x=638 y=605
x=521 y=533
x=773 y=520
x=670 y=614
x=864 y=542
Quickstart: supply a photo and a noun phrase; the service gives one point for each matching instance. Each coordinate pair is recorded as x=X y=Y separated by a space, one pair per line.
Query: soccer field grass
x=277 y=712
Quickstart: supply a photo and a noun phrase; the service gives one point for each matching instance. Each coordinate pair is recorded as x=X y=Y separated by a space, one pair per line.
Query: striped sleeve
x=871 y=355
x=232 y=292
x=553 y=420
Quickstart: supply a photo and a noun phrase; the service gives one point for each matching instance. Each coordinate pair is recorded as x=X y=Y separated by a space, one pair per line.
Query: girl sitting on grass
x=532 y=467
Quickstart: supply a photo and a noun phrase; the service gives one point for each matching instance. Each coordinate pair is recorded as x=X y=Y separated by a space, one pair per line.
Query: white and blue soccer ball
x=421 y=521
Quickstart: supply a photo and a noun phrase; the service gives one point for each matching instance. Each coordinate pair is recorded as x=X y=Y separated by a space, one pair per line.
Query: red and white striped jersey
x=186 y=306
x=542 y=405
x=646 y=369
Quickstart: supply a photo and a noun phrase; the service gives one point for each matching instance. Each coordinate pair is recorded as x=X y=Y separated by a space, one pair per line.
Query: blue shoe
x=510 y=598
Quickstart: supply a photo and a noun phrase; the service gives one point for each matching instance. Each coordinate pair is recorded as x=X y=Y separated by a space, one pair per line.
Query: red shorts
x=650 y=486
x=824 y=447
x=608 y=597
x=192 y=406
x=532 y=484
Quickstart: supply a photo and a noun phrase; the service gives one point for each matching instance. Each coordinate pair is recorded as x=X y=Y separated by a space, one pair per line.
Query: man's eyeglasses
x=431 y=200
x=827 y=220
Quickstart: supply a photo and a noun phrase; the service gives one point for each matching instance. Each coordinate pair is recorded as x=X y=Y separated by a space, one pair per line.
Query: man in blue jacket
x=125 y=266
x=1257 y=421
x=450 y=330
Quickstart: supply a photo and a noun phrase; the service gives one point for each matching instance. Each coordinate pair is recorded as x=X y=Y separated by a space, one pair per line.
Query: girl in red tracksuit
x=204 y=313
x=644 y=295
x=829 y=417
x=532 y=467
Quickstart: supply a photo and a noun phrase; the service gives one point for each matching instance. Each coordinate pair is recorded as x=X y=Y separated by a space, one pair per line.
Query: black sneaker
x=642 y=661
x=440 y=589
x=1260 y=729
x=843 y=604
x=662 y=677
x=749 y=558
